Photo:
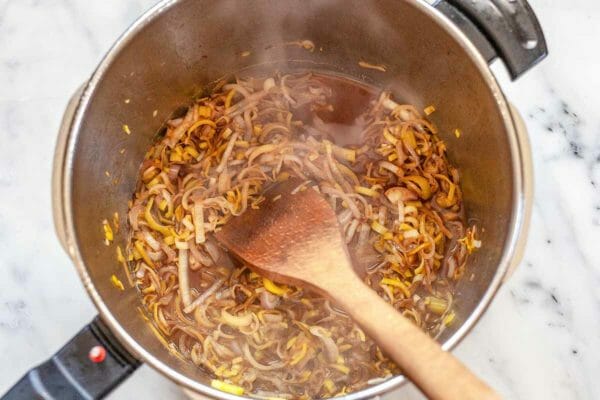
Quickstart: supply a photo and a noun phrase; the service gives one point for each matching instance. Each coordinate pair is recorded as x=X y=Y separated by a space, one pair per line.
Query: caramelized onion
x=398 y=203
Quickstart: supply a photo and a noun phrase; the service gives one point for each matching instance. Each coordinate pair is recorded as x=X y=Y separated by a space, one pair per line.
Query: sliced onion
x=389 y=166
x=184 y=280
x=151 y=241
x=269 y=301
x=227 y=153
x=171 y=254
x=174 y=135
x=213 y=250
x=206 y=294
x=199 y=222
x=220 y=349
x=450 y=263
x=224 y=182
x=286 y=92
x=198 y=255
x=250 y=358
x=349 y=202
x=238 y=88
x=155 y=255
x=344 y=217
x=173 y=171
x=363 y=236
x=236 y=321
x=331 y=350
x=134 y=215
x=351 y=230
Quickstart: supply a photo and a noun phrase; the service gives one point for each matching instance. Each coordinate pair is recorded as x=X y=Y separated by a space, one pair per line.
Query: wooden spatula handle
x=438 y=374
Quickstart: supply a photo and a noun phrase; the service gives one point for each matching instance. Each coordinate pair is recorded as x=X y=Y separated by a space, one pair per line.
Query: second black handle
x=505 y=28
x=88 y=367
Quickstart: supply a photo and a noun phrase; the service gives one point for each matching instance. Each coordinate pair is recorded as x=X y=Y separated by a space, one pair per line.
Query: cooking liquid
x=342 y=119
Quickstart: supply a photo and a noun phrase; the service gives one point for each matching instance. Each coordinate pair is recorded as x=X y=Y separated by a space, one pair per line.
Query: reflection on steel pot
x=433 y=55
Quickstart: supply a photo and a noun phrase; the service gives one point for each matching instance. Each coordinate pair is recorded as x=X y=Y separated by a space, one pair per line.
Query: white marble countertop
x=540 y=339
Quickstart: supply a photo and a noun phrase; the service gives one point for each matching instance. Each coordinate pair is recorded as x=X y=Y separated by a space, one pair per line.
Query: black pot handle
x=507 y=29
x=76 y=372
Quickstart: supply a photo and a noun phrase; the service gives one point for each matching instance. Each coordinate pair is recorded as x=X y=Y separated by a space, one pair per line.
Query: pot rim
x=62 y=190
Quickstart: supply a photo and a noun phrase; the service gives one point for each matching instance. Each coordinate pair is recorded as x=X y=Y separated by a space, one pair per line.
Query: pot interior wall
x=194 y=42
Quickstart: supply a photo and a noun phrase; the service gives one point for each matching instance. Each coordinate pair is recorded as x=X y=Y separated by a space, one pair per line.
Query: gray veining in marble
x=540 y=338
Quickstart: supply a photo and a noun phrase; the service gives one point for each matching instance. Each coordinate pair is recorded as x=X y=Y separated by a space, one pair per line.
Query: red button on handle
x=97 y=354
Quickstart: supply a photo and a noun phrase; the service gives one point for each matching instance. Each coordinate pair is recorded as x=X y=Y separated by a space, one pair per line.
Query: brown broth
x=342 y=119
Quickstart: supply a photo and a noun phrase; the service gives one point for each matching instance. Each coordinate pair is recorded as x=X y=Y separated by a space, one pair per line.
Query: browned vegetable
x=398 y=203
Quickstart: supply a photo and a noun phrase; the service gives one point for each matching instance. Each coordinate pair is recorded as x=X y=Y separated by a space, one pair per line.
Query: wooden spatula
x=294 y=238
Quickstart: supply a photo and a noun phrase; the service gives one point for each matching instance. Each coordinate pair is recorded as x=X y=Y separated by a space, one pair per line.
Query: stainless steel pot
x=433 y=55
